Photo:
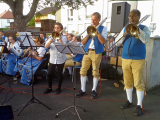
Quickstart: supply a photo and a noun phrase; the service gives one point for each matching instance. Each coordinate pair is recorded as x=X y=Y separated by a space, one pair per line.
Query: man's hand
x=0 y=37
x=8 y=48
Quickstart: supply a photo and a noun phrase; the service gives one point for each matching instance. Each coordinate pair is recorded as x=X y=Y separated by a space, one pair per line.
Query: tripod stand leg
x=63 y=111
x=24 y=107
x=42 y=104
x=77 y=113
x=81 y=108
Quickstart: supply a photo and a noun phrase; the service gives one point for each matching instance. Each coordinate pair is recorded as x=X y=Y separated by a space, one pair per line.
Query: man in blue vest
x=3 y=38
x=133 y=62
x=94 y=47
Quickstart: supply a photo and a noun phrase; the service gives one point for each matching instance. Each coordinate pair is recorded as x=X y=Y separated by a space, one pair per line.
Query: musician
x=3 y=38
x=24 y=65
x=42 y=36
x=94 y=47
x=75 y=58
x=133 y=62
x=70 y=37
x=56 y=60
x=9 y=60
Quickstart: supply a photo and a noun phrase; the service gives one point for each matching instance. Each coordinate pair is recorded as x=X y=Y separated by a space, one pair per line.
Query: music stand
x=27 y=39
x=73 y=49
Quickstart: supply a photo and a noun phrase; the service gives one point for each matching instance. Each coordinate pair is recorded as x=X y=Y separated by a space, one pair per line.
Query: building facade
x=77 y=21
x=5 y=19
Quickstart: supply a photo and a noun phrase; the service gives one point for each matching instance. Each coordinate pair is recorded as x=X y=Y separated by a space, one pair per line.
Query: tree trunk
x=20 y=20
x=19 y=25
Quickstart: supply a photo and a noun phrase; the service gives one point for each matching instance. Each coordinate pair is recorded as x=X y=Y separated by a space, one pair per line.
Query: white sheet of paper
x=26 y=40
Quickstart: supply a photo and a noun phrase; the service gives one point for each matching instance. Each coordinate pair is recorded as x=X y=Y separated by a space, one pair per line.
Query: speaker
x=119 y=18
x=6 y=112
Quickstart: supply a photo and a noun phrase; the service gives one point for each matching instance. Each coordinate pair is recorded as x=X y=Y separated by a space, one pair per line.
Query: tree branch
x=30 y=15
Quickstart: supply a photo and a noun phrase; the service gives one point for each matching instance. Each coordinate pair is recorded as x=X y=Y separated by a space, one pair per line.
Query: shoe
x=80 y=93
x=94 y=94
x=126 y=105
x=138 y=111
x=47 y=91
x=58 y=91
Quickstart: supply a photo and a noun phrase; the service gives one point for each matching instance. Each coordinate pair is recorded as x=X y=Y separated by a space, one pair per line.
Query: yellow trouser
x=133 y=69
x=93 y=58
x=70 y=63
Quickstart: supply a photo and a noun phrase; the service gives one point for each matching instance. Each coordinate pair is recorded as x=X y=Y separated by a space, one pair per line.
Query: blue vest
x=98 y=46
x=3 y=38
x=134 y=48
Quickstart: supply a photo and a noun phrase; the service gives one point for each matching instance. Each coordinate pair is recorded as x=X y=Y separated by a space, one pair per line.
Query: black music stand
x=73 y=49
x=31 y=44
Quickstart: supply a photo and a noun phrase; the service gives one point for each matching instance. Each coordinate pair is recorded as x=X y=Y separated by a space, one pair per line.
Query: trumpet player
x=56 y=60
x=133 y=61
x=94 y=47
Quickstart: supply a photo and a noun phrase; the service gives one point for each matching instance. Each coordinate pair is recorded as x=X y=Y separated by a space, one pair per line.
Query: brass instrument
x=93 y=31
x=132 y=30
x=57 y=35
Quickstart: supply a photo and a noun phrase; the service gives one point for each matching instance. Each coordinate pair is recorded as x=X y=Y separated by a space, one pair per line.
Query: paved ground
x=105 y=107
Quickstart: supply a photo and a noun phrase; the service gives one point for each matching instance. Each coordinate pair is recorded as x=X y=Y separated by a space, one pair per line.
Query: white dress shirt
x=55 y=56
x=41 y=51
x=104 y=34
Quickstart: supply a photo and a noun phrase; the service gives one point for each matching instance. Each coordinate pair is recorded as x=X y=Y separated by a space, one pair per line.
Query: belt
x=91 y=49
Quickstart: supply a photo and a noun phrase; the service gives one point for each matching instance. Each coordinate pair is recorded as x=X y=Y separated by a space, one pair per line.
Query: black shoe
x=138 y=111
x=47 y=91
x=58 y=91
x=80 y=93
x=94 y=94
x=126 y=105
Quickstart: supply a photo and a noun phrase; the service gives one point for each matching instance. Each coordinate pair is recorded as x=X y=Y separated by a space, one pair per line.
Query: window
x=80 y=14
x=89 y=11
x=8 y=21
x=70 y=14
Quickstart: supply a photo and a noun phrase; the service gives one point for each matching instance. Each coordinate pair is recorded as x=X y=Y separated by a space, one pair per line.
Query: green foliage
x=4 y=29
x=31 y=22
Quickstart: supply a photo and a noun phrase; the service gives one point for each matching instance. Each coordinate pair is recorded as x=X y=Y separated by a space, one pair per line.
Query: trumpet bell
x=92 y=31
x=133 y=30
x=56 y=35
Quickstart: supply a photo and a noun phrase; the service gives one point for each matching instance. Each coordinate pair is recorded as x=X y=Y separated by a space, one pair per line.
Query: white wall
x=4 y=23
x=37 y=24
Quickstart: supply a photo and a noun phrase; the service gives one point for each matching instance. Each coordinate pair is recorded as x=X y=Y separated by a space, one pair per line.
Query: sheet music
x=26 y=40
x=70 y=48
x=15 y=52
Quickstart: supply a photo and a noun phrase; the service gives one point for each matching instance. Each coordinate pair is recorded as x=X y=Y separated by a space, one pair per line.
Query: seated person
x=70 y=38
x=24 y=65
x=3 y=38
x=78 y=58
x=9 y=60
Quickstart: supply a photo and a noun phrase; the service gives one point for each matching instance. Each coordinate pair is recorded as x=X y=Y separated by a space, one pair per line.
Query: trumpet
x=57 y=35
x=132 y=30
x=91 y=30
